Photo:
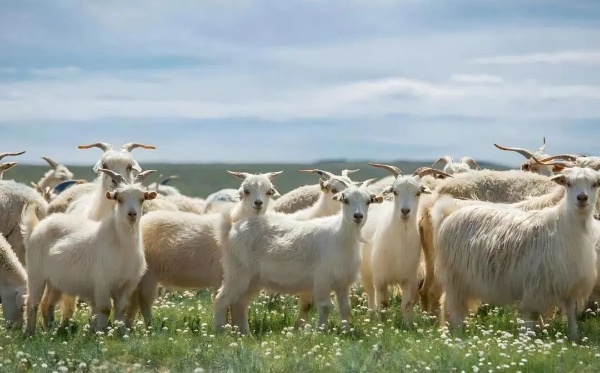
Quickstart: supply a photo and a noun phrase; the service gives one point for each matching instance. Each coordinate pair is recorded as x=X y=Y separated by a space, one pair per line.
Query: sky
x=299 y=80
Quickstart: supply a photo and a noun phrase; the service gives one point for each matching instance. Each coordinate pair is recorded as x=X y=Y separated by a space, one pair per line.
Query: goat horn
x=51 y=162
x=318 y=172
x=525 y=153
x=117 y=178
x=559 y=164
x=142 y=176
x=568 y=157
x=272 y=175
x=102 y=145
x=347 y=172
x=2 y=155
x=424 y=171
x=239 y=175
x=167 y=179
x=366 y=183
x=393 y=169
x=446 y=158
x=470 y=161
x=132 y=145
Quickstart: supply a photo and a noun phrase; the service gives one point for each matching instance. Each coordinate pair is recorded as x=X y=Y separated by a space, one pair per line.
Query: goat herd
x=450 y=238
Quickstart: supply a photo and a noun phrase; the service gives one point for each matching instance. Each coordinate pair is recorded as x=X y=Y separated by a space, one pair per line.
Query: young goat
x=94 y=260
x=392 y=255
x=183 y=249
x=503 y=255
x=284 y=255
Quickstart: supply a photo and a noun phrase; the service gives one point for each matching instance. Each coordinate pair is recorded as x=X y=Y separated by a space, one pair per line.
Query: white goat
x=56 y=175
x=486 y=185
x=305 y=196
x=95 y=260
x=504 y=255
x=392 y=254
x=466 y=164
x=13 y=283
x=221 y=201
x=183 y=249
x=284 y=255
x=95 y=206
x=530 y=165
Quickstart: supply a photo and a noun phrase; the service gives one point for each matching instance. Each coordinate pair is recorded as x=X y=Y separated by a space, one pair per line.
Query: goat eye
x=418 y=194
x=334 y=191
x=104 y=166
x=129 y=168
x=246 y=192
x=595 y=185
x=270 y=192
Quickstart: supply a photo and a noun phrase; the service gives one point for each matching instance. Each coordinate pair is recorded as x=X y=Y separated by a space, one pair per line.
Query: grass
x=181 y=340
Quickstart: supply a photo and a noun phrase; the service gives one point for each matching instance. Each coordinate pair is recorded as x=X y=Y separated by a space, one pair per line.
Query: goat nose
x=582 y=197
x=358 y=215
x=258 y=202
x=405 y=211
x=132 y=214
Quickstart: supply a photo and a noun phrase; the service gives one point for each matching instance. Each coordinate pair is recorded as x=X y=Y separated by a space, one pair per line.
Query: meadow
x=181 y=337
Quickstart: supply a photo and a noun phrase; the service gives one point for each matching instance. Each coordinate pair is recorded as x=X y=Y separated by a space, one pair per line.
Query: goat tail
x=29 y=220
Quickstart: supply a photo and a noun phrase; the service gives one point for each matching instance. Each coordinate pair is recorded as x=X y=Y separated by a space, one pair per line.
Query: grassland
x=202 y=179
x=181 y=338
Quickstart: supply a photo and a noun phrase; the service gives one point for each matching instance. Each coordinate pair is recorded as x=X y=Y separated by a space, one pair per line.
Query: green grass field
x=181 y=338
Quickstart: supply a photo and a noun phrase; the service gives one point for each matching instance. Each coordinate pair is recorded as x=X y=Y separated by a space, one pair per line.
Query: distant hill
x=203 y=179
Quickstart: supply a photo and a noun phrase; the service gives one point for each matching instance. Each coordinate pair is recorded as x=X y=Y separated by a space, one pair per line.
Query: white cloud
x=578 y=57
x=7 y=70
x=476 y=78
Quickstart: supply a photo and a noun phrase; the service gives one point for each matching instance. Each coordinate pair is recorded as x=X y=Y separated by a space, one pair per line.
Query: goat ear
x=387 y=190
x=275 y=193
x=149 y=195
x=376 y=199
x=339 y=197
x=425 y=190
x=559 y=179
x=111 y=195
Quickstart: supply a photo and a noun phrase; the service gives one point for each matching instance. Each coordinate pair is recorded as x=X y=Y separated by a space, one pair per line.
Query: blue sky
x=297 y=81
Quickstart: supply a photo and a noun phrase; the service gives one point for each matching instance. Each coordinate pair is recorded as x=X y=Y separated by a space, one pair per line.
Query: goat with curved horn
x=393 y=169
x=424 y=171
x=524 y=152
x=10 y=154
x=365 y=183
x=102 y=145
x=51 y=162
x=132 y=145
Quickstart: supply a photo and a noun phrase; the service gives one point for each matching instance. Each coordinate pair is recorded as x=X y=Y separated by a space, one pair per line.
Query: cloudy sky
x=299 y=80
